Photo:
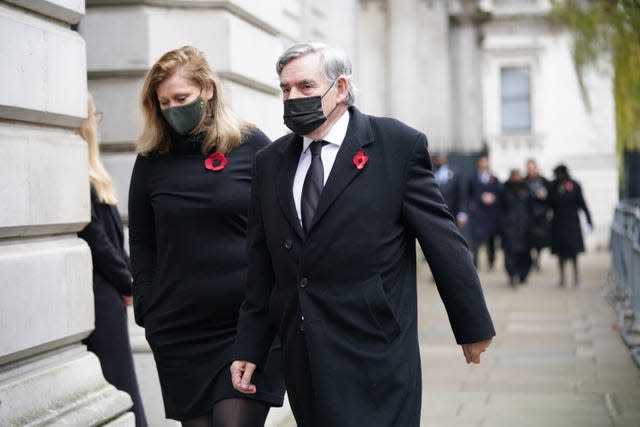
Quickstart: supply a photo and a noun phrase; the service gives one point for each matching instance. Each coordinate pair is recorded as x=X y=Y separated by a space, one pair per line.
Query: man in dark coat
x=538 y=186
x=484 y=210
x=451 y=188
x=337 y=281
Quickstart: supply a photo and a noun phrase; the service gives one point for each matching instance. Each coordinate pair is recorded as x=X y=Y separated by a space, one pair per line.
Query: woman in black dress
x=188 y=204
x=565 y=199
x=111 y=275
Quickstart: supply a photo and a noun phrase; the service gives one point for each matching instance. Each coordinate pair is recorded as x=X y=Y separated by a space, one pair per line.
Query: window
x=515 y=85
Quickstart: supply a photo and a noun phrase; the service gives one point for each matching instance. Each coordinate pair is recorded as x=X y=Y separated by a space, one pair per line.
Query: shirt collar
x=336 y=134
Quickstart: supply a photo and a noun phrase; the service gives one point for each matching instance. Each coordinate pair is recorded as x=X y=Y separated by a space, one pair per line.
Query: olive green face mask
x=185 y=118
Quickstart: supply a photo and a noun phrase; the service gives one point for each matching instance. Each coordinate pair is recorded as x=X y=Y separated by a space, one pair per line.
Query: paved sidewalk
x=557 y=360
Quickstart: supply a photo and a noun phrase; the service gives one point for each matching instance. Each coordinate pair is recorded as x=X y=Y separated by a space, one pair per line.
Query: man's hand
x=473 y=351
x=241 y=373
x=487 y=198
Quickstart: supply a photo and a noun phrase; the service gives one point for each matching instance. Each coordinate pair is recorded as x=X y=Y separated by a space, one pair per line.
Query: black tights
x=574 y=261
x=234 y=412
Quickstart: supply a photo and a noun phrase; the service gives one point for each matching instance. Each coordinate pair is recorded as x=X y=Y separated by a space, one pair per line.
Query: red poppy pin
x=568 y=185
x=215 y=162
x=360 y=159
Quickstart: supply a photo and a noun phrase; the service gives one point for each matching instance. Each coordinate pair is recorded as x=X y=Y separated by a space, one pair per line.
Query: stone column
x=404 y=77
x=404 y=65
x=46 y=301
x=434 y=81
x=466 y=71
x=371 y=61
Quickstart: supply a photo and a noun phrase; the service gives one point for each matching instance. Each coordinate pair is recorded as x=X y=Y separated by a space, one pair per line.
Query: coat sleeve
x=445 y=250
x=142 y=238
x=255 y=333
x=583 y=205
x=108 y=259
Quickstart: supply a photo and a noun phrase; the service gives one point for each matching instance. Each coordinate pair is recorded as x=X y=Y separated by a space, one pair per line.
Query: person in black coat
x=336 y=208
x=451 y=187
x=188 y=204
x=484 y=210
x=565 y=200
x=538 y=186
x=111 y=275
x=516 y=207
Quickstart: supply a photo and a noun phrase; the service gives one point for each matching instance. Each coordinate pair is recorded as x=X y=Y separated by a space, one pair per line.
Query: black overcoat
x=453 y=192
x=516 y=219
x=540 y=227
x=565 y=200
x=484 y=219
x=353 y=276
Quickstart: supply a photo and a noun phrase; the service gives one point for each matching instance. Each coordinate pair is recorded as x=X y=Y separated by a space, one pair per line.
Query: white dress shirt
x=442 y=174
x=329 y=152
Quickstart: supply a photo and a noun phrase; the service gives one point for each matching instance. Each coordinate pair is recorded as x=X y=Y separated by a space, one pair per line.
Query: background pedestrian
x=111 y=274
x=484 y=210
x=516 y=205
x=566 y=200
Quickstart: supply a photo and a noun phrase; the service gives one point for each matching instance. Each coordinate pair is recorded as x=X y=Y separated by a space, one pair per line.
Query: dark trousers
x=491 y=250
x=517 y=264
x=297 y=377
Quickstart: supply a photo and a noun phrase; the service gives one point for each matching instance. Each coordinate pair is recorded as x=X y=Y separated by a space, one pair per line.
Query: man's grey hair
x=333 y=62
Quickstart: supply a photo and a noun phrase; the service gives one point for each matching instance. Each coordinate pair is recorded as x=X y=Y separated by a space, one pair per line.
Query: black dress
x=111 y=280
x=187 y=229
x=565 y=199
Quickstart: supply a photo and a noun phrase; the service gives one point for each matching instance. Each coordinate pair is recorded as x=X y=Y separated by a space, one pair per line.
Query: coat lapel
x=358 y=136
x=290 y=158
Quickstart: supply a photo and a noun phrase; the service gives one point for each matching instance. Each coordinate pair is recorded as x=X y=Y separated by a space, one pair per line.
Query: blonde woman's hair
x=223 y=129
x=98 y=176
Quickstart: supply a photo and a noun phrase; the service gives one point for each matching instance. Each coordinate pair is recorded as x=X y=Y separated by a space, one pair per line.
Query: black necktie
x=312 y=187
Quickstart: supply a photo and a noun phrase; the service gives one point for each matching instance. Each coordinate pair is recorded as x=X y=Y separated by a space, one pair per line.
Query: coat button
x=288 y=244
x=304 y=282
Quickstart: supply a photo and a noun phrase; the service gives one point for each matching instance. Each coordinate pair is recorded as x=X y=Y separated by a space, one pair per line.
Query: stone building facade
x=471 y=74
x=46 y=302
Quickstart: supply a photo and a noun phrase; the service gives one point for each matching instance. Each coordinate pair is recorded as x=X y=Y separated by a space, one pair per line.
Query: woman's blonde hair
x=223 y=129
x=98 y=176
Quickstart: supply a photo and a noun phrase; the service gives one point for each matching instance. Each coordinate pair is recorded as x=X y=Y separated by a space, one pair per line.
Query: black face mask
x=304 y=115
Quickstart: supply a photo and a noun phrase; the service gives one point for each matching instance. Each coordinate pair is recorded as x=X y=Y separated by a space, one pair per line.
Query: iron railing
x=623 y=284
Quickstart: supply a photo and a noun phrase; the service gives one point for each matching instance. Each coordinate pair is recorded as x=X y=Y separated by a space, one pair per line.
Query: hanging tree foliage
x=610 y=27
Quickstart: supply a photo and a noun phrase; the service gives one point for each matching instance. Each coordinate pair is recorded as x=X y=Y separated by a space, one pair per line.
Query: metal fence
x=623 y=286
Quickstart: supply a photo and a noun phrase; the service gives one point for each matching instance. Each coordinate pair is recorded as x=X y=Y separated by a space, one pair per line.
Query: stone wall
x=46 y=301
